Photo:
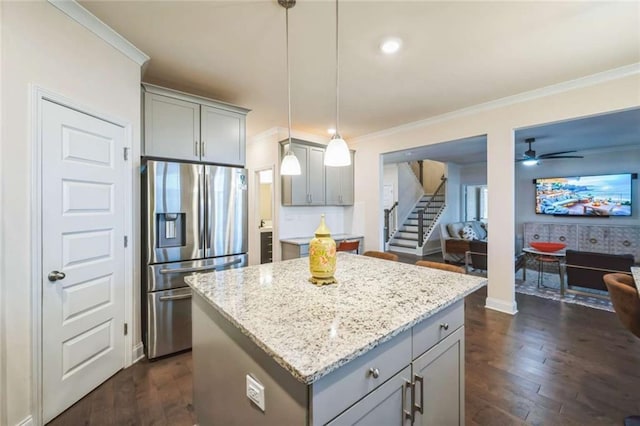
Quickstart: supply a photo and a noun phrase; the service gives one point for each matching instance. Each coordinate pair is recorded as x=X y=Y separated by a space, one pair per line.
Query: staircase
x=405 y=240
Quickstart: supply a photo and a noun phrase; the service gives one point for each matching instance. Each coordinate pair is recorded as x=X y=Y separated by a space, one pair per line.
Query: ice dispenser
x=171 y=229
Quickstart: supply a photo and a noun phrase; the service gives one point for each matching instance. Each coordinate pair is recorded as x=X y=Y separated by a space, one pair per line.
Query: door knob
x=56 y=275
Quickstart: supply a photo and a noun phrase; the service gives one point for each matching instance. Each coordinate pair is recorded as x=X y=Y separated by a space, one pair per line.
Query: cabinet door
x=625 y=240
x=223 y=136
x=386 y=405
x=593 y=238
x=346 y=183
x=339 y=185
x=315 y=175
x=567 y=234
x=534 y=232
x=171 y=128
x=439 y=383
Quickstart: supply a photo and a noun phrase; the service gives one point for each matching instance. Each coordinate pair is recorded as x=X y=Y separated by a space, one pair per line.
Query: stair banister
x=421 y=236
x=387 y=215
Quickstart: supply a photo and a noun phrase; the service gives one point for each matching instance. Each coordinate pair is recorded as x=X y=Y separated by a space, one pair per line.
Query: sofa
x=455 y=238
x=586 y=269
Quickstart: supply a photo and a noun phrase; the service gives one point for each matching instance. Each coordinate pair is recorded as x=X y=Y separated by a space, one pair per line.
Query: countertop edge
x=313 y=377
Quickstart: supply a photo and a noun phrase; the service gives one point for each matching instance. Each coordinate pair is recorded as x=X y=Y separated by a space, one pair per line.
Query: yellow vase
x=322 y=256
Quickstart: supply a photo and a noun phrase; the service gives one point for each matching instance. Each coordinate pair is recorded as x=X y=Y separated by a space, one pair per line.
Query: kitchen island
x=383 y=346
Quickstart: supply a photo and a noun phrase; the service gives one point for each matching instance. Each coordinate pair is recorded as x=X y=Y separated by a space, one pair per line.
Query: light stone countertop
x=310 y=330
x=635 y=270
x=301 y=241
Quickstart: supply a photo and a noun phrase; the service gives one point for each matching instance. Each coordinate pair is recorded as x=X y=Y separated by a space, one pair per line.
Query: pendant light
x=290 y=165
x=337 y=153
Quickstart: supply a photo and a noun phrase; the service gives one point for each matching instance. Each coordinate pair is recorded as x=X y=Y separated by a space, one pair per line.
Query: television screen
x=604 y=195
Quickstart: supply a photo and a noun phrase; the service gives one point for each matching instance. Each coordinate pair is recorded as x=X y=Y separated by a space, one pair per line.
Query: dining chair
x=626 y=302
x=351 y=246
x=381 y=255
x=441 y=266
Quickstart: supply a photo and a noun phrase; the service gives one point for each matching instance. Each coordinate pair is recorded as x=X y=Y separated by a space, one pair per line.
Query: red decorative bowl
x=549 y=247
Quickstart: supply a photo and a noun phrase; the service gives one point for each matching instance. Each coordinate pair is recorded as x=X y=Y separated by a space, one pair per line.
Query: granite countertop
x=310 y=330
x=305 y=240
x=635 y=270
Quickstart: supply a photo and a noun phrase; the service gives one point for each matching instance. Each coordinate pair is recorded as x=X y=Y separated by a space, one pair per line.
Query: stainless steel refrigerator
x=194 y=219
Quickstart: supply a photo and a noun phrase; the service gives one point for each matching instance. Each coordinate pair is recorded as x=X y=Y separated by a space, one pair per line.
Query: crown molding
x=88 y=20
x=565 y=86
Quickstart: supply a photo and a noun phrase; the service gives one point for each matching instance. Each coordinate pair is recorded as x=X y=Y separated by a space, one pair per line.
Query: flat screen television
x=602 y=195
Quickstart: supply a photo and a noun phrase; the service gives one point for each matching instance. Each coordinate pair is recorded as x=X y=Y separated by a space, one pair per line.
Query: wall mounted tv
x=603 y=195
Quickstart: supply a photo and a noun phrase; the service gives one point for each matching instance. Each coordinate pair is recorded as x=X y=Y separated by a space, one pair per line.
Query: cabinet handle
x=374 y=372
x=196 y=149
x=593 y=241
x=536 y=236
x=203 y=149
x=562 y=238
x=444 y=326
x=407 y=414
x=416 y=407
x=626 y=243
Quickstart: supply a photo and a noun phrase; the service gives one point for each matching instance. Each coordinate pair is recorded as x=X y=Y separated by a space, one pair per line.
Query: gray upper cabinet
x=317 y=185
x=306 y=189
x=188 y=127
x=339 y=184
x=223 y=136
x=172 y=127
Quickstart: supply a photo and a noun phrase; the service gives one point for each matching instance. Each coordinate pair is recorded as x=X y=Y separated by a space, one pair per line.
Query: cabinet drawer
x=339 y=390
x=437 y=327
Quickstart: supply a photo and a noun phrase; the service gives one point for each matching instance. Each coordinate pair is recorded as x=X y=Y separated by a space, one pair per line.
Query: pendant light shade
x=290 y=165
x=337 y=153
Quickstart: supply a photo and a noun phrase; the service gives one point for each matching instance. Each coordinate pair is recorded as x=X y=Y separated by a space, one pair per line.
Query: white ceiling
x=602 y=132
x=455 y=54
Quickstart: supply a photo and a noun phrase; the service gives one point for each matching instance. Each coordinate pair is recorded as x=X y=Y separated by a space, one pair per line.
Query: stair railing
x=421 y=230
x=390 y=220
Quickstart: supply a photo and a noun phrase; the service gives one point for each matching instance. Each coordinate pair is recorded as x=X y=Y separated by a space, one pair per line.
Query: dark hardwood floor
x=551 y=364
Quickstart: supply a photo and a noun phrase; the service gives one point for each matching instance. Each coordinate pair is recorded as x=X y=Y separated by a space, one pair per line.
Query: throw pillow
x=467 y=233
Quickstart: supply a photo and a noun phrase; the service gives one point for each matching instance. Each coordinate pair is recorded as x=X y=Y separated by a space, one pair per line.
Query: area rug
x=551 y=290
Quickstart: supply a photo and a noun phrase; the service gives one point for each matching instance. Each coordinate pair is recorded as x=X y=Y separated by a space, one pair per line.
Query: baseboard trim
x=501 y=306
x=26 y=422
x=138 y=352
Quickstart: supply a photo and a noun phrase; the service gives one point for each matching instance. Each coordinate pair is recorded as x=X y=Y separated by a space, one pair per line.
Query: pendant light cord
x=288 y=83
x=337 y=134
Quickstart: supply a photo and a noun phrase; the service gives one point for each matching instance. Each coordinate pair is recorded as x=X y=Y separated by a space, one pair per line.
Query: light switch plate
x=255 y=392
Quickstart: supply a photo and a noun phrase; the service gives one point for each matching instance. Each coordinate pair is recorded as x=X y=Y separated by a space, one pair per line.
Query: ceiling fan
x=530 y=158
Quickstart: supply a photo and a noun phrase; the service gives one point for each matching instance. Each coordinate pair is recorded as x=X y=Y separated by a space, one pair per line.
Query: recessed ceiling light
x=391 y=45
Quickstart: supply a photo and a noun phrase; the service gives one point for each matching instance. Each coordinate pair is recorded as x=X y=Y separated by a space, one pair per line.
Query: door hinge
x=126 y=241
x=126 y=328
x=126 y=153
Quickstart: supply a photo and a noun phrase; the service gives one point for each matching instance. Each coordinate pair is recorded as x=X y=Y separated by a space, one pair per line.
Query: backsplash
x=303 y=221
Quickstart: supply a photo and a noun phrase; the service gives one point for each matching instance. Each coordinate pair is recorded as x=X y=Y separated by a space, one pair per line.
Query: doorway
x=82 y=284
x=265 y=212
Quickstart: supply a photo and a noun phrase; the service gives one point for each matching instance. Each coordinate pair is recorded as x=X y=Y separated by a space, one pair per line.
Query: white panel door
x=82 y=239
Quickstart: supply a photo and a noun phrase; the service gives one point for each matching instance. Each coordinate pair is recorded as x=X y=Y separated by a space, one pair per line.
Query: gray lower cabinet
x=390 y=404
x=438 y=376
x=180 y=126
x=339 y=184
x=388 y=385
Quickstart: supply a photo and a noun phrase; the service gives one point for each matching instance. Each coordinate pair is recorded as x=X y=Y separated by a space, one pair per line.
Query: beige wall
x=43 y=47
x=265 y=201
x=498 y=123
x=432 y=171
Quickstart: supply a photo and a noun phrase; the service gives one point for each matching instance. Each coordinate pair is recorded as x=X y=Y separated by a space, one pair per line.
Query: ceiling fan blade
x=561 y=156
x=551 y=154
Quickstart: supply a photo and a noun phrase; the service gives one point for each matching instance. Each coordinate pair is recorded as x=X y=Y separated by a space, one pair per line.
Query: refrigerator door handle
x=178 y=297
x=200 y=268
x=207 y=202
x=201 y=211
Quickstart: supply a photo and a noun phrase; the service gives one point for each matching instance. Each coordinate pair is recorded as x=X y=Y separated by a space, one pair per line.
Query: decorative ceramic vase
x=322 y=256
